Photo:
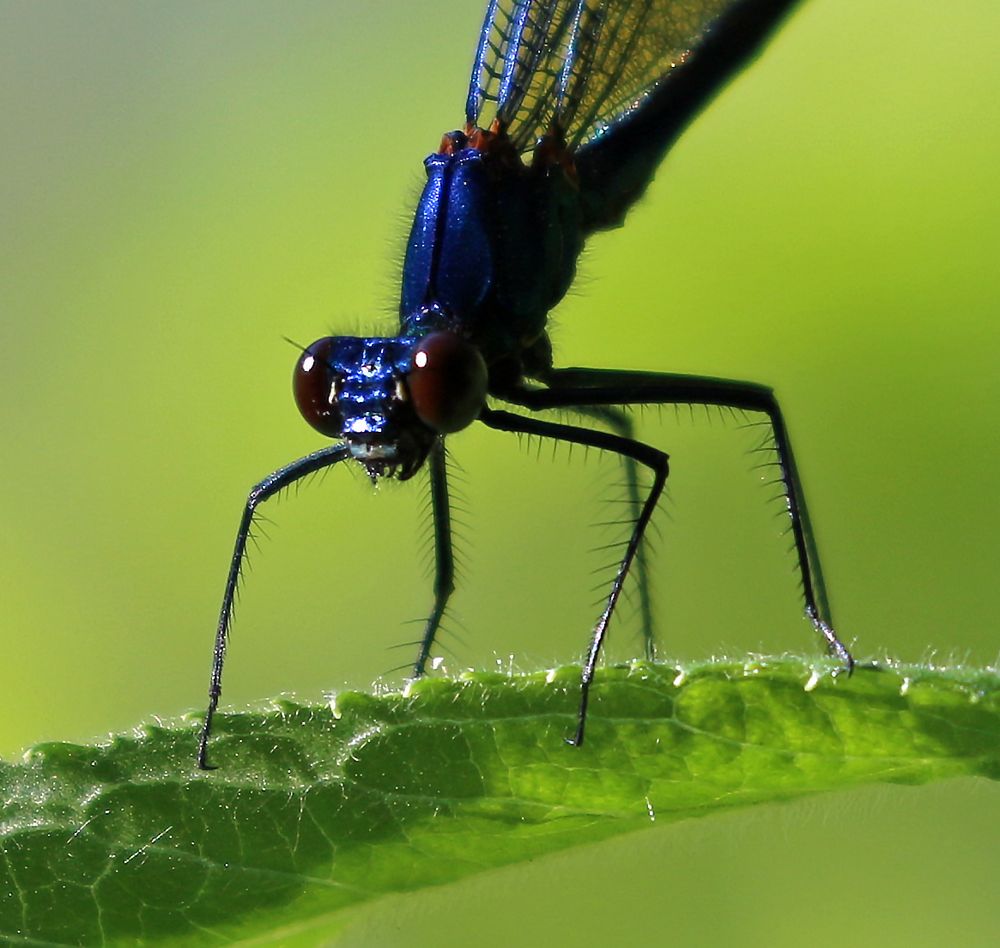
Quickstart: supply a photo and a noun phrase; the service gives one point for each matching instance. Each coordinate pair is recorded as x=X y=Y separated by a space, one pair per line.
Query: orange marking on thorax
x=551 y=152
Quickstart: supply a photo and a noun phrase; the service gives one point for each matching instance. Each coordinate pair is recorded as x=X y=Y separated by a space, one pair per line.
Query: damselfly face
x=390 y=398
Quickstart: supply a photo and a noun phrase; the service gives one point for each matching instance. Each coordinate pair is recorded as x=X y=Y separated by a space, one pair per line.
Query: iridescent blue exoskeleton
x=571 y=106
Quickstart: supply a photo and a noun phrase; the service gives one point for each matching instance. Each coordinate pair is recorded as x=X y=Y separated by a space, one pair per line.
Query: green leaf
x=316 y=808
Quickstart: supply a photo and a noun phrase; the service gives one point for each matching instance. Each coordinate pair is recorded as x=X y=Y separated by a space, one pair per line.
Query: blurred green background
x=183 y=183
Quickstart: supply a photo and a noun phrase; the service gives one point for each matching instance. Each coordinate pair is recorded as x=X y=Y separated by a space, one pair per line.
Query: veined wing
x=579 y=65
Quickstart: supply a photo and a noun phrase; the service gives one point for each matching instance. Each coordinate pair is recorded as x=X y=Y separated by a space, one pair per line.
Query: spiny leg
x=573 y=387
x=655 y=460
x=267 y=488
x=621 y=423
x=444 y=560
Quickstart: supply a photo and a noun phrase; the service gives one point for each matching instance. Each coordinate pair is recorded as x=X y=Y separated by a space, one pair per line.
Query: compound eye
x=447 y=382
x=316 y=386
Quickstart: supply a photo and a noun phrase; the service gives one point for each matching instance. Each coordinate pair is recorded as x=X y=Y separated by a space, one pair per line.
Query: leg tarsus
x=833 y=644
x=581 y=721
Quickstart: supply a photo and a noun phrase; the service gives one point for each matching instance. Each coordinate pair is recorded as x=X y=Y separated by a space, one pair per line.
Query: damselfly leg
x=267 y=488
x=621 y=423
x=648 y=456
x=573 y=387
x=444 y=559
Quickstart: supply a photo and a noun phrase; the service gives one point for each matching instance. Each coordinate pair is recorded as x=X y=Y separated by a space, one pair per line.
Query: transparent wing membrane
x=578 y=65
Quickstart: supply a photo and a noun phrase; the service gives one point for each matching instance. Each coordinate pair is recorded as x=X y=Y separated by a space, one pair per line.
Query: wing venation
x=578 y=65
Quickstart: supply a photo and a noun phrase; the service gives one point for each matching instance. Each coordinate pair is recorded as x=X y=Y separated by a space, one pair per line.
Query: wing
x=619 y=78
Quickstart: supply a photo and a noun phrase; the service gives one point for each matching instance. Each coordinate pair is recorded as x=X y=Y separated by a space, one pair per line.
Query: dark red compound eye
x=447 y=382
x=315 y=384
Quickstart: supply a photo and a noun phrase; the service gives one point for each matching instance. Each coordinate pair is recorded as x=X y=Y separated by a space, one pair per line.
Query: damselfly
x=571 y=106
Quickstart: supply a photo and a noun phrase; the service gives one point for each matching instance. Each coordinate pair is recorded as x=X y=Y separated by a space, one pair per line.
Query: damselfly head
x=390 y=398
